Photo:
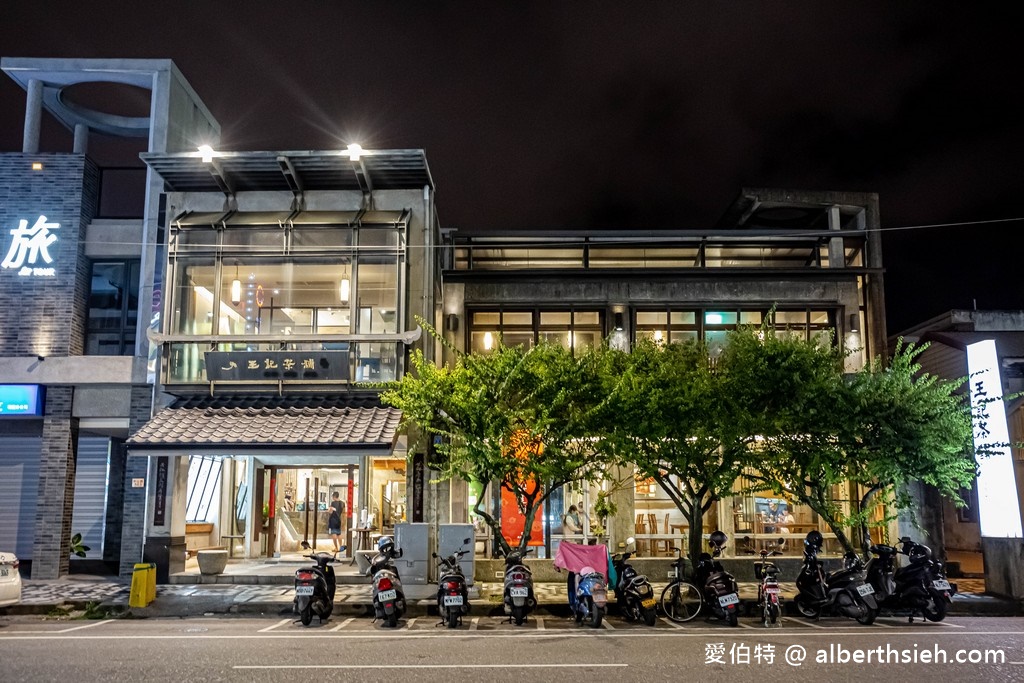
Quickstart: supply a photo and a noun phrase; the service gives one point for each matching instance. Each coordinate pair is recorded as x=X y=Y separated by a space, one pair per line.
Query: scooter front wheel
x=806 y=608
x=596 y=615
x=868 y=618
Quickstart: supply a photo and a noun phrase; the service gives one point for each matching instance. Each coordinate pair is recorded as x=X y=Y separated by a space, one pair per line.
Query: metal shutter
x=89 y=514
x=19 y=488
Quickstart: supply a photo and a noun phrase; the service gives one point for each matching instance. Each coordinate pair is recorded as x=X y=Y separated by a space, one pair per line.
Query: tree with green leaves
x=671 y=416
x=907 y=426
x=521 y=418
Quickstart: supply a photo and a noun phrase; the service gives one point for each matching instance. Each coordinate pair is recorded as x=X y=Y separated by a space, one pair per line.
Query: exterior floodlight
x=236 y=288
x=354 y=150
x=206 y=153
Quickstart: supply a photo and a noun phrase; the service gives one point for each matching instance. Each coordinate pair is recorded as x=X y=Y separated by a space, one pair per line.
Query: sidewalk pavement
x=353 y=599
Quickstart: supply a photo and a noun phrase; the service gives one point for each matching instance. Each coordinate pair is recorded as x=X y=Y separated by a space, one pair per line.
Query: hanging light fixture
x=488 y=341
x=236 y=288
x=343 y=287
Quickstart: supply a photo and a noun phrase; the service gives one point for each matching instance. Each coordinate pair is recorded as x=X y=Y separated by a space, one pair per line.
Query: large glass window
x=571 y=329
x=113 y=308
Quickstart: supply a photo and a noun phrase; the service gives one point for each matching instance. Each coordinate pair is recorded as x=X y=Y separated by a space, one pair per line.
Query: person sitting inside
x=571 y=522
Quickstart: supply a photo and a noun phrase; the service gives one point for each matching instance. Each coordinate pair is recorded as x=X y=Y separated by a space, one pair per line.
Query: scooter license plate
x=452 y=600
x=772 y=590
x=303 y=590
x=649 y=602
x=940 y=585
x=730 y=599
x=387 y=595
x=518 y=592
x=865 y=589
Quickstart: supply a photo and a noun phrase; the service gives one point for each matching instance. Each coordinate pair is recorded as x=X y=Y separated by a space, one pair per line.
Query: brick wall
x=133 y=520
x=56 y=486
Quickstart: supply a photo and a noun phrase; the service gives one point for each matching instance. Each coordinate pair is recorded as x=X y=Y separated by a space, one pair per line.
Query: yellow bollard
x=143 y=590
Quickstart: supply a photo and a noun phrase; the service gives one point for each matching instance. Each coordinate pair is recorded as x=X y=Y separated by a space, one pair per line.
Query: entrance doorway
x=296 y=507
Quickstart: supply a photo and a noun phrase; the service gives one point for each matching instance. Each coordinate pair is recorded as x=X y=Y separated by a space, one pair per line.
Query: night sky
x=544 y=115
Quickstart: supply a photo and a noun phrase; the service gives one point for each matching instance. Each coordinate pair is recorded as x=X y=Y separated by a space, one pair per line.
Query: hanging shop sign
x=21 y=400
x=29 y=251
x=256 y=366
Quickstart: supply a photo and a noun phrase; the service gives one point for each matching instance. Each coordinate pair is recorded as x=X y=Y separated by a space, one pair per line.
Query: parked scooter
x=388 y=596
x=315 y=587
x=719 y=589
x=518 y=595
x=920 y=586
x=633 y=592
x=769 y=594
x=591 y=597
x=452 y=594
x=843 y=593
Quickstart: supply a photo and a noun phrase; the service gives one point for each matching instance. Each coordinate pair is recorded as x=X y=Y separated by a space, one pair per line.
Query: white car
x=10 y=580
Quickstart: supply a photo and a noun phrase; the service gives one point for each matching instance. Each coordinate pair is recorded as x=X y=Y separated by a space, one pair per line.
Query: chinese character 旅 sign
x=255 y=366
x=29 y=253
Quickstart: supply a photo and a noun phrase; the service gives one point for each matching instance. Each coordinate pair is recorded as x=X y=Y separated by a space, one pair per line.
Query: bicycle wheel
x=681 y=601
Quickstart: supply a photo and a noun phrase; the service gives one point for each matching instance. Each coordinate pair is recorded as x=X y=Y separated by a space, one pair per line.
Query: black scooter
x=315 y=587
x=633 y=592
x=920 y=586
x=452 y=594
x=843 y=593
x=719 y=589
x=388 y=594
x=517 y=596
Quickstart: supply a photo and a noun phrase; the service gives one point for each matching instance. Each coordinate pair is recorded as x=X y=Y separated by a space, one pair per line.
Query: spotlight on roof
x=354 y=150
x=206 y=153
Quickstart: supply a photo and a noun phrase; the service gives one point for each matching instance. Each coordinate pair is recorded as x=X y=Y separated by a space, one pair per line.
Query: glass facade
x=248 y=285
x=113 y=308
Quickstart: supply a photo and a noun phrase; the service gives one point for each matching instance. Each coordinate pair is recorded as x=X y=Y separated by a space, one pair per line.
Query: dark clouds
x=617 y=115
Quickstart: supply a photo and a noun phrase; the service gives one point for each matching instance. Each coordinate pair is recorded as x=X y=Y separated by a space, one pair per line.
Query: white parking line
x=947 y=624
x=743 y=624
x=271 y=628
x=410 y=622
x=79 y=628
x=540 y=623
x=474 y=623
x=343 y=624
x=670 y=622
x=517 y=665
x=606 y=624
x=804 y=623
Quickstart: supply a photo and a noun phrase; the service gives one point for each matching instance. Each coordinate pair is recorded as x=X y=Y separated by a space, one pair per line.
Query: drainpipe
x=427 y=309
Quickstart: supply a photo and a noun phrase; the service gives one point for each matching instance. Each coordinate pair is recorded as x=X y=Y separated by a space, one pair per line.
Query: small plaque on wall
x=138 y=483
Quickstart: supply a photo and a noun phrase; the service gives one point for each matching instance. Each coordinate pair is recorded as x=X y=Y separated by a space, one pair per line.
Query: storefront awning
x=239 y=424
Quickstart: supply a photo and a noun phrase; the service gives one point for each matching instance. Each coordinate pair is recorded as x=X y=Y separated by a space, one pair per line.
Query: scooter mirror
x=305 y=545
x=466 y=541
x=630 y=540
x=433 y=555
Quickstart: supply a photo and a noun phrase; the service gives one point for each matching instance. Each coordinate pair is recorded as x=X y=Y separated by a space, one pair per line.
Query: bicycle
x=681 y=601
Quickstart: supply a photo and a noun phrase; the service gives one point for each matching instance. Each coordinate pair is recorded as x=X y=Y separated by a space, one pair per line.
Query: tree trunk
x=695 y=542
x=865 y=534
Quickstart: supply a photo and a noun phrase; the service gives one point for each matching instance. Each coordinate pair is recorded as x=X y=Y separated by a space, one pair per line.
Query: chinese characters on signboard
x=29 y=246
x=242 y=366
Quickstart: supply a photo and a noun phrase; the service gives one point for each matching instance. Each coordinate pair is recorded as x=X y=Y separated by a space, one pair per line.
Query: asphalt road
x=241 y=649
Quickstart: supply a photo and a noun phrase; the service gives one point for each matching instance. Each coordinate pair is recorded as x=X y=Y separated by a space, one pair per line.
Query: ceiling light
x=236 y=288
x=206 y=153
x=354 y=150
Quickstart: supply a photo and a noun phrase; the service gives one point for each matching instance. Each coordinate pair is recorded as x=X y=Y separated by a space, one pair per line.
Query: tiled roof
x=261 y=421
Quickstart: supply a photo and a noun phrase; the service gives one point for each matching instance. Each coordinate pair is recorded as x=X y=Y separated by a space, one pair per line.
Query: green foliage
x=523 y=418
x=76 y=547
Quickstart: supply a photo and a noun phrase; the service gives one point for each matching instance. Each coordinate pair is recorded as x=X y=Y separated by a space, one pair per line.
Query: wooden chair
x=659 y=545
x=641 y=543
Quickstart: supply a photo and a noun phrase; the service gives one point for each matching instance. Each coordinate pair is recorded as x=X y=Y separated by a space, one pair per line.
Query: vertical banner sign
x=160 y=505
x=513 y=521
x=419 y=472
x=997 y=487
x=349 y=496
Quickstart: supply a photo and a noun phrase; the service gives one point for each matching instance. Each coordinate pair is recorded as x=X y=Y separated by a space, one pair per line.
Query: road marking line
x=540 y=623
x=425 y=666
x=808 y=624
x=409 y=623
x=271 y=628
x=79 y=628
x=343 y=624
x=743 y=625
x=605 y=624
x=947 y=624
x=671 y=623
x=474 y=623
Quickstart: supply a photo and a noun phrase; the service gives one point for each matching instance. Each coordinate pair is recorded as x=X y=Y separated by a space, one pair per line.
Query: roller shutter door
x=89 y=515
x=19 y=488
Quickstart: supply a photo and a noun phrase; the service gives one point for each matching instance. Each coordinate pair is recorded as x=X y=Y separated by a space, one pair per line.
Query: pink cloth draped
x=574 y=557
